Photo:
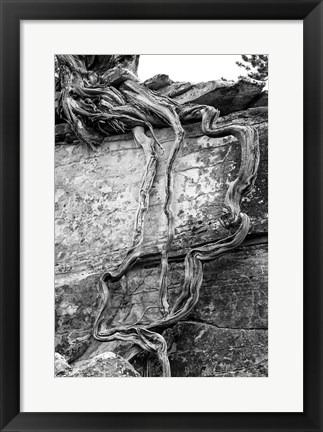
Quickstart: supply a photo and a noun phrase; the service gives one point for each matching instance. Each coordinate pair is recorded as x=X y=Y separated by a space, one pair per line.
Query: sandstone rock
x=76 y=305
x=227 y=96
x=261 y=100
x=61 y=365
x=158 y=81
x=72 y=344
x=176 y=89
x=64 y=134
x=233 y=295
x=97 y=195
x=198 y=349
x=234 y=290
x=259 y=369
x=104 y=365
x=96 y=200
x=97 y=347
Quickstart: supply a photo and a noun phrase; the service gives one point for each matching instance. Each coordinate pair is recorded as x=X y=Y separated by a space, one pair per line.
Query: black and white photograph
x=161 y=215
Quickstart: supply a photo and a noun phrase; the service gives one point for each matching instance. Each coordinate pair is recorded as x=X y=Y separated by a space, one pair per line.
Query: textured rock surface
x=96 y=197
x=232 y=310
x=76 y=302
x=261 y=100
x=97 y=194
x=227 y=96
x=226 y=334
x=158 y=81
x=61 y=365
x=199 y=349
x=234 y=290
x=107 y=364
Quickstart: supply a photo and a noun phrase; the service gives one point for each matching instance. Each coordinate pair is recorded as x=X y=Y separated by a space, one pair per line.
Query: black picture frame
x=12 y=12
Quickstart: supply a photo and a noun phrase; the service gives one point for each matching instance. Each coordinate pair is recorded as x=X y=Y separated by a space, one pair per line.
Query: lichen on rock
x=108 y=364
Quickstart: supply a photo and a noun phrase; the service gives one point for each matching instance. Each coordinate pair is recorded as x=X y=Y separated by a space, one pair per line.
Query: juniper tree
x=256 y=65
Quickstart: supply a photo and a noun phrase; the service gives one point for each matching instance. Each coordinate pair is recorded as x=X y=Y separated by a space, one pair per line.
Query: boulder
x=61 y=365
x=203 y=350
x=158 y=81
x=226 y=96
x=106 y=365
x=261 y=100
x=175 y=89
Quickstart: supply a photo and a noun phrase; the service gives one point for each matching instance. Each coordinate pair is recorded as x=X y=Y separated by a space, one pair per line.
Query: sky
x=193 y=68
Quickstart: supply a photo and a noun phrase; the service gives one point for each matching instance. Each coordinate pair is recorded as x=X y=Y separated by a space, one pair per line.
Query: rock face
x=74 y=314
x=158 y=81
x=234 y=290
x=226 y=334
x=261 y=100
x=199 y=349
x=227 y=96
x=61 y=365
x=96 y=197
x=107 y=365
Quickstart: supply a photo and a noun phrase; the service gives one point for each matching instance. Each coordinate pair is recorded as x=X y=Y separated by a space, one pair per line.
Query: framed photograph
x=147 y=150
